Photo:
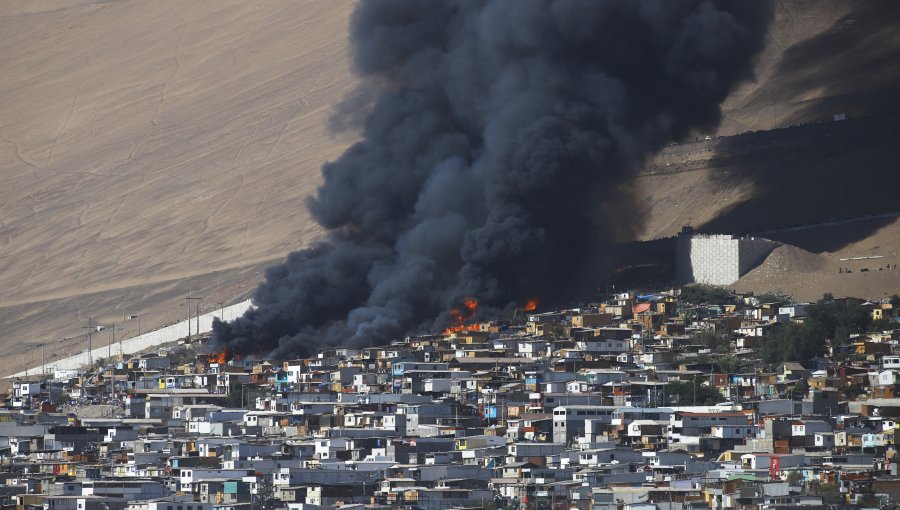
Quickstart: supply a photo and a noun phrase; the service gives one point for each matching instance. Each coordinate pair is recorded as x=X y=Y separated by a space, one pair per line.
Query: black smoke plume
x=493 y=152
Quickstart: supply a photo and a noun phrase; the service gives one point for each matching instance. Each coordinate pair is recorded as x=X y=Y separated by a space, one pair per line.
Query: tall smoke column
x=495 y=144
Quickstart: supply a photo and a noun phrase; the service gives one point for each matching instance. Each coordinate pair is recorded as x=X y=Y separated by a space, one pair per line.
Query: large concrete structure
x=160 y=336
x=718 y=259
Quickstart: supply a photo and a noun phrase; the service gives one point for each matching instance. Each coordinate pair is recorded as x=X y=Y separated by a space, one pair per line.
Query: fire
x=532 y=304
x=461 y=314
x=221 y=357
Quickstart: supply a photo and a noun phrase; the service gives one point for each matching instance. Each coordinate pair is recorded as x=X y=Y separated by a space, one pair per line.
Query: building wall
x=718 y=259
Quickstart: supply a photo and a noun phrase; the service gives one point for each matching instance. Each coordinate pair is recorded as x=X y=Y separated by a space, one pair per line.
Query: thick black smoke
x=492 y=156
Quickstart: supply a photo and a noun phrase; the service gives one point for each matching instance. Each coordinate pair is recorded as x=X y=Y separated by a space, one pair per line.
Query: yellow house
x=882 y=311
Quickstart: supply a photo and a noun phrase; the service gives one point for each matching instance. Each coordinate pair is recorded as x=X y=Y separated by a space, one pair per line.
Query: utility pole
x=198 y=312
x=189 y=298
x=90 y=327
x=109 y=348
x=188 y=302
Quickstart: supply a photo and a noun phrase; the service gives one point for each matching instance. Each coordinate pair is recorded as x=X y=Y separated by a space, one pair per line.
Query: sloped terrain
x=822 y=58
x=864 y=268
x=145 y=145
x=152 y=149
x=753 y=182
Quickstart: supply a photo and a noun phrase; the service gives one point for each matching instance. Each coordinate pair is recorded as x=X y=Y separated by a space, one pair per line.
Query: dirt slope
x=822 y=58
x=807 y=275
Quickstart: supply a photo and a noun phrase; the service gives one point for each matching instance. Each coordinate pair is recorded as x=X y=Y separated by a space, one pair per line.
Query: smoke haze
x=496 y=140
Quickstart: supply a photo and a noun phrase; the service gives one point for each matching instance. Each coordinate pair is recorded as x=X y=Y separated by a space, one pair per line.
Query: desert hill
x=155 y=149
x=861 y=268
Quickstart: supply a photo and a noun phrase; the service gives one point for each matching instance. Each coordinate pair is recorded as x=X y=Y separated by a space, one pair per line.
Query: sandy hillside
x=821 y=58
x=804 y=169
x=151 y=149
x=807 y=275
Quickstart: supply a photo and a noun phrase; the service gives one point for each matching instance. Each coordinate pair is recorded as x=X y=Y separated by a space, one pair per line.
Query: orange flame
x=461 y=315
x=221 y=357
x=532 y=304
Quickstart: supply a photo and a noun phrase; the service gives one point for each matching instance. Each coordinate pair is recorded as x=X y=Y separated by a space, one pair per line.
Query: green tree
x=717 y=342
x=795 y=342
x=797 y=391
x=686 y=393
x=882 y=325
x=794 y=478
x=839 y=317
x=729 y=364
x=265 y=493
x=243 y=394
x=829 y=492
x=705 y=294
x=852 y=391
x=771 y=297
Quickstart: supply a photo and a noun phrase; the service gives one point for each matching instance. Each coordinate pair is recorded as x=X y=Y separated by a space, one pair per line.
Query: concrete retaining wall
x=718 y=259
x=161 y=336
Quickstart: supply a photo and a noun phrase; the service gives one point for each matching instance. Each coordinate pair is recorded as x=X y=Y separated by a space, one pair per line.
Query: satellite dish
x=640 y=307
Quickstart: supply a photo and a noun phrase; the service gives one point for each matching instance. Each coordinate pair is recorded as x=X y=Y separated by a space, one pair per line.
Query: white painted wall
x=161 y=336
x=718 y=259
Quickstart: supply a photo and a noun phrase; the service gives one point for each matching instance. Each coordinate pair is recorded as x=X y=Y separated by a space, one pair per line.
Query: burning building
x=496 y=137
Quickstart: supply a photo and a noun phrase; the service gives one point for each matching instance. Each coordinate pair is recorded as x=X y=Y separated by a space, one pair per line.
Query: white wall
x=718 y=259
x=161 y=336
